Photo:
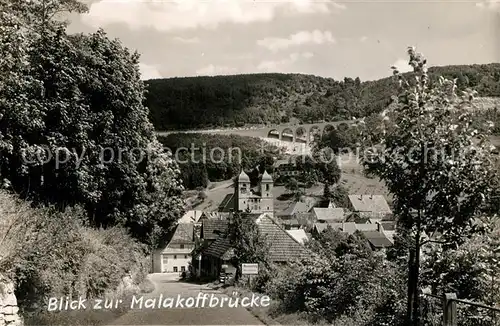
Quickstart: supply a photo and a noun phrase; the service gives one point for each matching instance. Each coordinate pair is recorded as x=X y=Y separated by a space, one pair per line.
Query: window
x=175 y=256
x=185 y=257
x=182 y=246
x=176 y=269
x=183 y=268
x=267 y=187
x=165 y=259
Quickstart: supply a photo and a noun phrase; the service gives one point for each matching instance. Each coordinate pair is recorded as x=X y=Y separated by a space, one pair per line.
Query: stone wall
x=9 y=315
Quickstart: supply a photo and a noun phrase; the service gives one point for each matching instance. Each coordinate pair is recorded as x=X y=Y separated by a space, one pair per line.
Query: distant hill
x=227 y=101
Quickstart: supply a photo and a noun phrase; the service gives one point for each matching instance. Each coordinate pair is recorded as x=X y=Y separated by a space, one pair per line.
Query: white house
x=176 y=255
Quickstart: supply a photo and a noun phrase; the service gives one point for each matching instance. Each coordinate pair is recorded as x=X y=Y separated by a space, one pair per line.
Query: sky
x=340 y=39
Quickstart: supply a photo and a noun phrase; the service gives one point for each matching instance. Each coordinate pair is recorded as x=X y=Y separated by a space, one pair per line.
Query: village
x=286 y=230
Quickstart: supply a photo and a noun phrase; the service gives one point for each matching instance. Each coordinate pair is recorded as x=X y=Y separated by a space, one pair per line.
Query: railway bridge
x=295 y=133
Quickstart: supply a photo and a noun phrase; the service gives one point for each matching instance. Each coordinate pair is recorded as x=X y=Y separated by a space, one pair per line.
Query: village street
x=167 y=285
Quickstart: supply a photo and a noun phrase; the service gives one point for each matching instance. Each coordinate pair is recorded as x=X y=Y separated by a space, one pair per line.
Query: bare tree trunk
x=409 y=305
x=416 y=294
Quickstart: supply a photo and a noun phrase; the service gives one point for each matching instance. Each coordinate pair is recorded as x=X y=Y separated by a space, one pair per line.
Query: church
x=245 y=198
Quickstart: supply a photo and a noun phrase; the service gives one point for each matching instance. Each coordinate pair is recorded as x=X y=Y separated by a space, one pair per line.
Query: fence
x=454 y=310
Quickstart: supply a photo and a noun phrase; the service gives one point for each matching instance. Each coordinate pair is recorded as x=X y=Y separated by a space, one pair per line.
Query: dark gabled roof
x=388 y=225
x=211 y=229
x=377 y=239
x=220 y=248
x=227 y=203
x=184 y=234
x=323 y=203
x=297 y=207
x=283 y=247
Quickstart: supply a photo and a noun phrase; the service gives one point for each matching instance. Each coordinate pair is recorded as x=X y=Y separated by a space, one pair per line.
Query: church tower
x=266 y=193
x=242 y=192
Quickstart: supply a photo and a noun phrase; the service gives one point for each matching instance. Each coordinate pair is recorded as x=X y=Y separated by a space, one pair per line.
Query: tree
x=438 y=196
x=339 y=141
x=74 y=127
x=248 y=243
x=306 y=166
x=326 y=167
x=292 y=185
x=326 y=191
x=340 y=196
x=471 y=271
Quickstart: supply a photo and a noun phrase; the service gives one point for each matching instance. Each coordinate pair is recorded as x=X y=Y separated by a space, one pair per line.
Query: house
x=216 y=257
x=299 y=235
x=293 y=210
x=376 y=236
x=328 y=215
x=372 y=206
x=285 y=168
x=292 y=224
x=389 y=229
x=260 y=200
x=176 y=255
x=191 y=216
x=284 y=247
x=324 y=203
x=377 y=240
x=347 y=227
x=212 y=229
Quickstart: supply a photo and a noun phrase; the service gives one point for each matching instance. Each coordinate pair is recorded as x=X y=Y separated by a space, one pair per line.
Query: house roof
x=369 y=203
x=220 y=248
x=347 y=227
x=377 y=239
x=366 y=227
x=320 y=227
x=291 y=222
x=184 y=234
x=324 y=203
x=211 y=229
x=227 y=203
x=329 y=214
x=278 y=163
x=299 y=235
x=388 y=225
x=191 y=216
x=390 y=235
x=283 y=247
x=297 y=207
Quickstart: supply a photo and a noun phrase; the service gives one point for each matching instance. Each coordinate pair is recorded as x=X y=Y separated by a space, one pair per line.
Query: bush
x=52 y=254
x=202 y=195
x=343 y=287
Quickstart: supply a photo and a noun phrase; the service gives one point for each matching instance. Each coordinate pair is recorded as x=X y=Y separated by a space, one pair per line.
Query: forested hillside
x=201 y=102
x=203 y=157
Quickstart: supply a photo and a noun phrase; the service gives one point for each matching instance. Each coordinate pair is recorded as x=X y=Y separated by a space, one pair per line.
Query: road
x=168 y=285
